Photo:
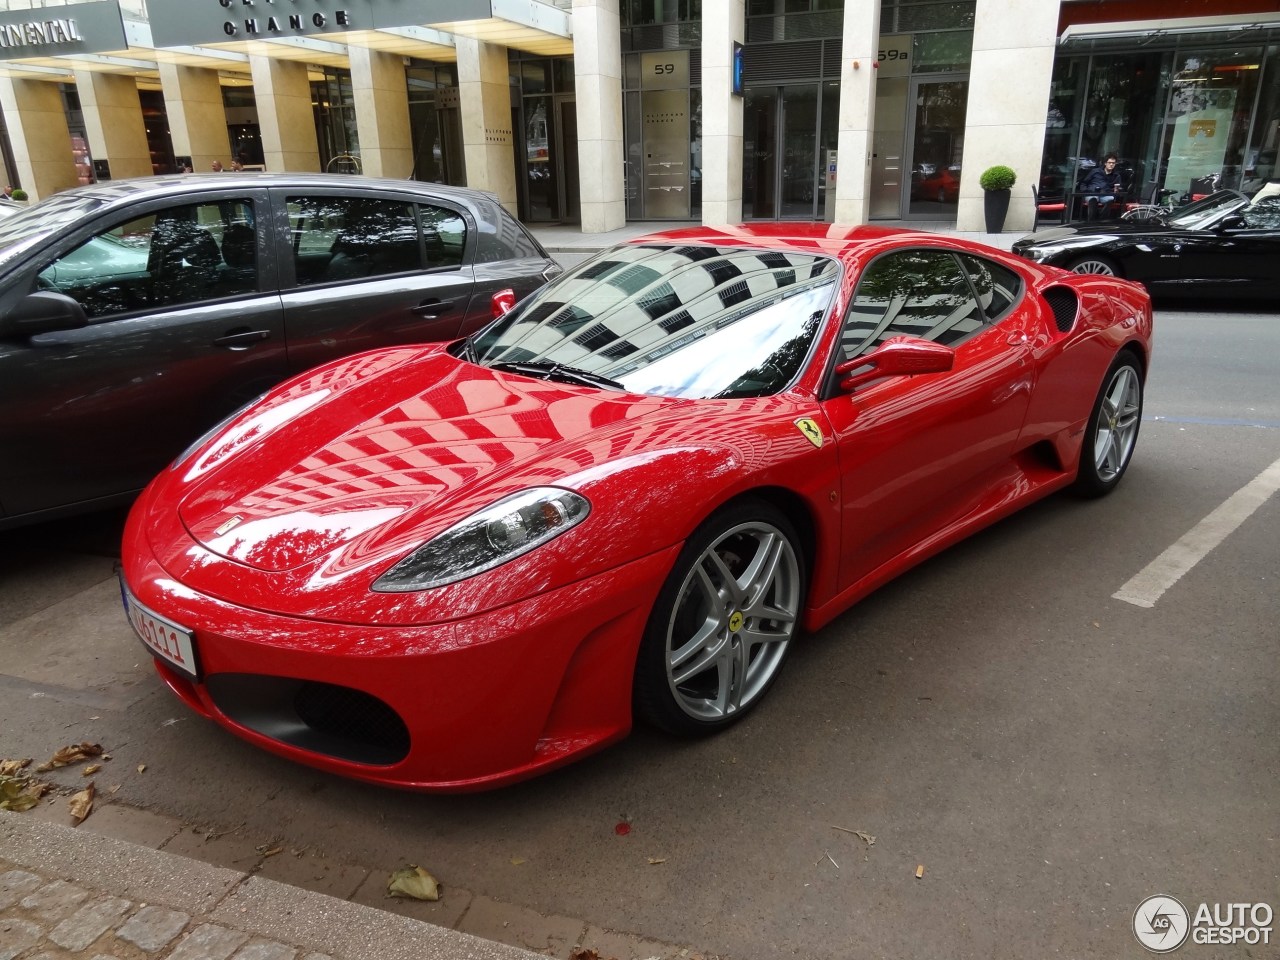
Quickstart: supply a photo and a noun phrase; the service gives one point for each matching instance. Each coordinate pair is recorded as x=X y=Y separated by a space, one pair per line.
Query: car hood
x=337 y=461
x=1099 y=232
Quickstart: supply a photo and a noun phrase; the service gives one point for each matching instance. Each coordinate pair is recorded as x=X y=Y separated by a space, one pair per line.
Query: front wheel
x=1113 y=428
x=1094 y=264
x=723 y=621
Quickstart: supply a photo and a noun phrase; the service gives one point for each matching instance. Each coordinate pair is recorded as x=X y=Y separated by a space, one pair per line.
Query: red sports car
x=453 y=566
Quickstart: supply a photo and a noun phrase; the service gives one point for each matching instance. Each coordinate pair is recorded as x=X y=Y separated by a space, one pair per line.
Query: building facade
x=603 y=111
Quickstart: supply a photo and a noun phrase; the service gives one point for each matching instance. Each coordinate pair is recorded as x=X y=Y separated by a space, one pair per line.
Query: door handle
x=431 y=308
x=241 y=339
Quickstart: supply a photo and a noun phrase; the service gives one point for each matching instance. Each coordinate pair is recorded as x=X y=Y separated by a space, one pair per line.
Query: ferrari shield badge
x=228 y=526
x=811 y=431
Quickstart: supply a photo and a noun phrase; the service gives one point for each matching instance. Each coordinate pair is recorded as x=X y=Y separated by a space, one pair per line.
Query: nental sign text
x=39 y=33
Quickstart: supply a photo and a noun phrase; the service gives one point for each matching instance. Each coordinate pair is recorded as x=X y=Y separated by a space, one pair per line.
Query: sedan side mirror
x=1233 y=221
x=42 y=312
x=895 y=357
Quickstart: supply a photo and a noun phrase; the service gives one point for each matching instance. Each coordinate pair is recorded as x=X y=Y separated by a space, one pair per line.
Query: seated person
x=1099 y=187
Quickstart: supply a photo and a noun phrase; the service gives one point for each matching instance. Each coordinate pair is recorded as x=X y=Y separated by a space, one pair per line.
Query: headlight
x=487 y=539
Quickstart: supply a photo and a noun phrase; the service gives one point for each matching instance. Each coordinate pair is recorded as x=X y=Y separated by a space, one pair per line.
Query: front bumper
x=456 y=706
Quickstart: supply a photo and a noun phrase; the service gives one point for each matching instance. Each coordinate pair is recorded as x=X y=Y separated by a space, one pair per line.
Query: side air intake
x=1065 y=305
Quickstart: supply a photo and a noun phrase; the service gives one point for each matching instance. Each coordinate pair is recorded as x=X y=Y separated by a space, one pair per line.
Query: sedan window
x=679 y=321
x=171 y=258
x=922 y=293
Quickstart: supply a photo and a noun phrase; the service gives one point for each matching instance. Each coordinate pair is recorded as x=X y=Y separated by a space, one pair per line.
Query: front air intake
x=1065 y=306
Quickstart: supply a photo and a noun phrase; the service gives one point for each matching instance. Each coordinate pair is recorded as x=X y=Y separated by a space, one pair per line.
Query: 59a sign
x=894 y=55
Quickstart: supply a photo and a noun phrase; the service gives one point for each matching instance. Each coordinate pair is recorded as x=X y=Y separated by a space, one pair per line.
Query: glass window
x=444 y=235
x=171 y=258
x=920 y=293
x=997 y=287
x=672 y=321
x=354 y=238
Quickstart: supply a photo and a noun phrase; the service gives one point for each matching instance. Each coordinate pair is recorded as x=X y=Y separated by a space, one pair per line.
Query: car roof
x=841 y=240
x=115 y=191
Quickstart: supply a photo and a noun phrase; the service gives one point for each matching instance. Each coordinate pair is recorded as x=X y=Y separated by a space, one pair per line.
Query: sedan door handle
x=241 y=339
x=431 y=308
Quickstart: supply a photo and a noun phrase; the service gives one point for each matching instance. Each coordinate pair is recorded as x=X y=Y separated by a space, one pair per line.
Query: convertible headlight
x=484 y=540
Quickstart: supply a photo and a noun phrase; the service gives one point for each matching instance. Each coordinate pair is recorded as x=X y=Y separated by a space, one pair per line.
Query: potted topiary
x=18 y=194
x=997 y=183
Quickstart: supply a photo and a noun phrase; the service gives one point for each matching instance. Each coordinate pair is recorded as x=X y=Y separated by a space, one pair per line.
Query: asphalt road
x=1050 y=755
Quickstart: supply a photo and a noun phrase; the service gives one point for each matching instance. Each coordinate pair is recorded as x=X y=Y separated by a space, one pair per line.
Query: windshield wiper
x=550 y=370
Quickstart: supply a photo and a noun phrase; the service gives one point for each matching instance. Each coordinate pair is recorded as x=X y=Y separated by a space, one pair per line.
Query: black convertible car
x=1221 y=246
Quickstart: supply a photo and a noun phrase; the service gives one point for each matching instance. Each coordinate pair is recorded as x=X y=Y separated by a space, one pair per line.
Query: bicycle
x=1164 y=205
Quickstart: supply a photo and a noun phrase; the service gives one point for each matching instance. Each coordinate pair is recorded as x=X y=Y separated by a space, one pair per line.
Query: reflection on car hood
x=379 y=461
x=1098 y=231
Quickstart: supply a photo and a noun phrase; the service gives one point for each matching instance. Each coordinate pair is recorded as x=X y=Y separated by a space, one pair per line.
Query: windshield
x=675 y=321
x=27 y=227
x=1196 y=215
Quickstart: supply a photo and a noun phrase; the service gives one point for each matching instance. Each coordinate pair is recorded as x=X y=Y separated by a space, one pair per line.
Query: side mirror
x=895 y=357
x=502 y=302
x=1233 y=221
x=42 y=312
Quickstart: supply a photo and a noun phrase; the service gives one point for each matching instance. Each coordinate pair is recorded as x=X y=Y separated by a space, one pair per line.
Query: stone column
x=857 y=110
x=723 y=23
x=113 y=123
x=38 y=134
x=484 y=92
x=197 y=120
x=285 y=118
x=1013 y=48
x=597 y=68
x=382 y=113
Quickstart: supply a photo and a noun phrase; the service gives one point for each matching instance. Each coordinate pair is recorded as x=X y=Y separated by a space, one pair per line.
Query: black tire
x=1112 y=433
x=708 y=655
x=1095 y=264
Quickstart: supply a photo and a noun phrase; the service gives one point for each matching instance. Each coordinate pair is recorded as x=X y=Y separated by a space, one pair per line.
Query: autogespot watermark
x=1162 y=924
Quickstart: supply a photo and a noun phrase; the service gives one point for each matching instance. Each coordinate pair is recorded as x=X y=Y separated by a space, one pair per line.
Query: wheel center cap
x=735 y=621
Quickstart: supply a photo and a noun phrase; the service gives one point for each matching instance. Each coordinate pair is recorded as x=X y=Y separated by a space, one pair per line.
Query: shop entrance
x=781 y=176
x=935 y=139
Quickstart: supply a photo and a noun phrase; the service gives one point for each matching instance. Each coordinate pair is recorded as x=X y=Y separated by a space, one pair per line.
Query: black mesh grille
x=1064 y=305
x=351 y=715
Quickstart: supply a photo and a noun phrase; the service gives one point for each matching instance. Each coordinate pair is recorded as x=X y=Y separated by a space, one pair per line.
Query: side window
x=444 y=235
x=352 y=238
x=171 y=258
x=920 y=293
x=997 y=286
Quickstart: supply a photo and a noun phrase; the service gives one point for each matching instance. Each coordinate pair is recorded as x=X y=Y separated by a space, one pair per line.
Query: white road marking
x=1146 y=586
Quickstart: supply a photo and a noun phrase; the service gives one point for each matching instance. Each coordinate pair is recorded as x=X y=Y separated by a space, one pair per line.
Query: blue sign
x=737 y=68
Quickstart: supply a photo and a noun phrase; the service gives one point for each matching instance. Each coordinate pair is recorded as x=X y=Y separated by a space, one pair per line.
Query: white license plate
x=165 y=639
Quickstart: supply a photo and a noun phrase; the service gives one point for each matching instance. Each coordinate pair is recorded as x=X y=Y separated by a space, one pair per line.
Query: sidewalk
x=69 y=894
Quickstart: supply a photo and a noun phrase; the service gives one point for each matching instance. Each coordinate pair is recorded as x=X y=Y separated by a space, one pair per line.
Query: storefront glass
x=333 y=101
x=435 y=123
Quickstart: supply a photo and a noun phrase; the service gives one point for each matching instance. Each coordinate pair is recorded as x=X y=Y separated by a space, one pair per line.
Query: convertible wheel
x=1113 y=428
x=1096 y=265
x=723 y=622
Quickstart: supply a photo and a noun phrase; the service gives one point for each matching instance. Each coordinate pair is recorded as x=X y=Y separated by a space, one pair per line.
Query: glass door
x=936 y=141
x=781 y=173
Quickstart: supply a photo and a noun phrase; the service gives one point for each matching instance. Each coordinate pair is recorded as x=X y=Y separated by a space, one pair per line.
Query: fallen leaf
x=90 y=770
x=142 y=767
x=9 y=768
x=516 y=861
x=622 y=828
x=654 y=861
x=920 y=871
x=270 y=851
x=82 y=804
x=413 y=881
x=868 y=838
x=15 y=796
x=583 y=953
x=74 y=753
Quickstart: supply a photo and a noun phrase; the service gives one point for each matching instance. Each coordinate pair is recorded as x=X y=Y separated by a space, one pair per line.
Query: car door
x=176 y=339
x=917 y=452
x=364 y=269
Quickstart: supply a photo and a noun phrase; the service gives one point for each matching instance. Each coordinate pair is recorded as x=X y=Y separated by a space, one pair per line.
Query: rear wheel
x=723 y=623
x=1095 y=264
x=1113 y=428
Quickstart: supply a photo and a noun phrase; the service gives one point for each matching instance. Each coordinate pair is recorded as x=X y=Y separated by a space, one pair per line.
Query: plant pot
x=995 y=205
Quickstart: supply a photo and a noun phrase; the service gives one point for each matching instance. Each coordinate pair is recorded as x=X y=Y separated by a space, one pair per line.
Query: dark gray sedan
x=136 y=314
